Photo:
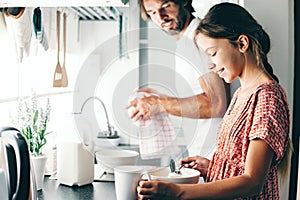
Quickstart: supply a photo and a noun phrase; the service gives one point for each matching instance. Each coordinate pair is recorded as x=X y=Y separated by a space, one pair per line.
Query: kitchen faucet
x=110 y=131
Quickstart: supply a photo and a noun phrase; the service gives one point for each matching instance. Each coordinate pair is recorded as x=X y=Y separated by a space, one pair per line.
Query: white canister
x=75 y=164
x=75 y=152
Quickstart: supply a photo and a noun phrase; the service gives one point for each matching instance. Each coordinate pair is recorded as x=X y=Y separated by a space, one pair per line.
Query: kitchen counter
x=97 y=190
x=101 y=188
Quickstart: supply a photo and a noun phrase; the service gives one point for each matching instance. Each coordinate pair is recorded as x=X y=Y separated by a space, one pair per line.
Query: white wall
x=36 y=72
x=277 y=18
x=278 y=22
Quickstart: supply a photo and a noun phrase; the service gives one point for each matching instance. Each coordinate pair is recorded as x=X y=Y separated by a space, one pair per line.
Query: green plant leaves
x=34 y=124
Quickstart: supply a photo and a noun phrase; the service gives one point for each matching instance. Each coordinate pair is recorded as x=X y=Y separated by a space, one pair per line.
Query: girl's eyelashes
x=213 y=54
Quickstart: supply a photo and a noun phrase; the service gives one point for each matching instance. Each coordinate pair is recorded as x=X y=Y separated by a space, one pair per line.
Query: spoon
x=178 y=170
x=173 y=167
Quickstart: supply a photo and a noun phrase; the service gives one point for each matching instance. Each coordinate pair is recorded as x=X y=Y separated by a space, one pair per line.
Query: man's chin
x=171 y=32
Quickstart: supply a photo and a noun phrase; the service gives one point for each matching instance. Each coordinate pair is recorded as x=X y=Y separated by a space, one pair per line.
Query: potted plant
x=32 y=121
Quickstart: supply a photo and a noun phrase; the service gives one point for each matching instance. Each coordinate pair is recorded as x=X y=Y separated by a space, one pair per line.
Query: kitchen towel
x=20 y=27
x=157 y=137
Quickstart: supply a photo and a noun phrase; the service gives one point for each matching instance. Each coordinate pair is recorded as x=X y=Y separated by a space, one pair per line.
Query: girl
x=253 y=140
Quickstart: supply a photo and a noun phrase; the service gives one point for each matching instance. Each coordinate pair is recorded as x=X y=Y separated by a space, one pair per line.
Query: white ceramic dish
x=108 y=159
x=107 y=142
x=188 y=176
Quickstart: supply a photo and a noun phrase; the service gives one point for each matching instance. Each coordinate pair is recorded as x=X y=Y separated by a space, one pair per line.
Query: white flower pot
x=39 y=164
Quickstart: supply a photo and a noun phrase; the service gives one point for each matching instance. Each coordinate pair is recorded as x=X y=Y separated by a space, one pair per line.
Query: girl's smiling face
x=226 y=60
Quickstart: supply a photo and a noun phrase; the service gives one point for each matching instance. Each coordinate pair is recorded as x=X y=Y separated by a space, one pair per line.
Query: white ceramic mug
x=126 y=181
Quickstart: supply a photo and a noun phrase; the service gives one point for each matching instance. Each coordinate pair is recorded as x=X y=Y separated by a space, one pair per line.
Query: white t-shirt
x=200 y=134
x=190 y=63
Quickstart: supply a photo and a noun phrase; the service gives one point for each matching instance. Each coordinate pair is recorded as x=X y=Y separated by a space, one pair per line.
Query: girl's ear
x=243 y=42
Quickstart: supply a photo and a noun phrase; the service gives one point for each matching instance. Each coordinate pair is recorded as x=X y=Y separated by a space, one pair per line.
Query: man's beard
x=181 y=20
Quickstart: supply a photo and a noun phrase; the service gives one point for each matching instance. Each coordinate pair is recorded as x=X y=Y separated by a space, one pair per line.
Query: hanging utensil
x=120 y=36
x=64 y=81
x=58 y=71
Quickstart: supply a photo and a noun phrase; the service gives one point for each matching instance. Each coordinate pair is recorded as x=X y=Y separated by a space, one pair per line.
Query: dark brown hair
x=185 y=3
x=229 y=21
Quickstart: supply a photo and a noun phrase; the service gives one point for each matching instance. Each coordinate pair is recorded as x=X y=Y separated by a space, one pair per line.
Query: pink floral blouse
x=264 y=115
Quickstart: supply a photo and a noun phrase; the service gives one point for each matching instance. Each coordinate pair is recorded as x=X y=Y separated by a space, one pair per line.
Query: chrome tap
x=110 y=131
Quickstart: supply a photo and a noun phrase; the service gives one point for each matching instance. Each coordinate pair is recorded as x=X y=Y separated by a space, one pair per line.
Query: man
x=175 y=18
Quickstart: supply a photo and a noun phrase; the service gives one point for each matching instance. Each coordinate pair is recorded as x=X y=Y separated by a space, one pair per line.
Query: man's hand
x=143 y=108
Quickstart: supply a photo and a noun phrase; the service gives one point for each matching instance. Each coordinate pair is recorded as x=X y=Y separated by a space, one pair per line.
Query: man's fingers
x=138 y=116
x=134 y=113
x=131 y=104
x=147 y=94
x=147 y=90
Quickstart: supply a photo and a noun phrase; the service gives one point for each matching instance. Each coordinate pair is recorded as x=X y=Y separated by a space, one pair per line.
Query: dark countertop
x=52 y=190
x=99 y=190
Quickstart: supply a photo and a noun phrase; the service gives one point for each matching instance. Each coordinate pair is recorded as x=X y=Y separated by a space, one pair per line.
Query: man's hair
x=185 y=3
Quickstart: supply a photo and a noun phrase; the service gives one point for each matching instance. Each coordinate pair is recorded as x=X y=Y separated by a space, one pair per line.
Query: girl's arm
x=258 y=161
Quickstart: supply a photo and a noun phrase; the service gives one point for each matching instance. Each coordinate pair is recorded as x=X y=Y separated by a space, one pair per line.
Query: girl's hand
x=158 y=190
x=196 y=162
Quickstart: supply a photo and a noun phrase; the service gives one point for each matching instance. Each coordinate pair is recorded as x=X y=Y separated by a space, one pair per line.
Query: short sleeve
x=271 y=119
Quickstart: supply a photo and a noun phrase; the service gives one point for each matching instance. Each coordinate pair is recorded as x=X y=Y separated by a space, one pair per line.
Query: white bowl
x=188 y=176
x=107 y=142
x=108 y=159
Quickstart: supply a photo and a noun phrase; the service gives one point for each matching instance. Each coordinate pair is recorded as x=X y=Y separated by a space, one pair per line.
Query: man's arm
x=211 y=103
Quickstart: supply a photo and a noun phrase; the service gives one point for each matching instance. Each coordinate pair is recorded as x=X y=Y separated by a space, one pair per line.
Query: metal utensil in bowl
x=173 y=167
x=178 y=170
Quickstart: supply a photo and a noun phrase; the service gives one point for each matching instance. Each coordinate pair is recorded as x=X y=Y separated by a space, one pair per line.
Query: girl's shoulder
x=271 y=94
x=271 y=87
